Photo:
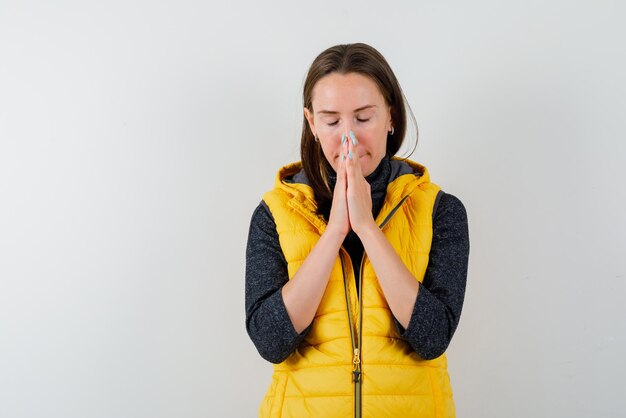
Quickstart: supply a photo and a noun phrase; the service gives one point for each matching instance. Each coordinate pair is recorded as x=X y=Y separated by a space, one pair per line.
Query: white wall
x=136 y=138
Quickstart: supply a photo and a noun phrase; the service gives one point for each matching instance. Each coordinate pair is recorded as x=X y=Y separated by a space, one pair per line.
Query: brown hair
x=343 y=59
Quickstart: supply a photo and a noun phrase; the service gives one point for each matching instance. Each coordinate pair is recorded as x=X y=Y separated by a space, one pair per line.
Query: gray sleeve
x=267 y=321
x=439 y=302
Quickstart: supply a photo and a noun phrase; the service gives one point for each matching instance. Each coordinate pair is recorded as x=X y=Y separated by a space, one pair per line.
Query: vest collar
x=403 y=181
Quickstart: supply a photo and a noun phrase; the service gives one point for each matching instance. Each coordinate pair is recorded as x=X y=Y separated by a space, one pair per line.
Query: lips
x=365 y=154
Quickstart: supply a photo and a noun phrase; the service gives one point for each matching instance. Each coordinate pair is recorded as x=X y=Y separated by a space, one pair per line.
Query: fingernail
x=343 y=157
x=350 y=154
x=343 y=139
x=353 y=137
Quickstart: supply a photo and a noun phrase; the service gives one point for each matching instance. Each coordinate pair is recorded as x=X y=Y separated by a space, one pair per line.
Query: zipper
x=357 y=352
x=347 y=294
x=356 y=334
x=393 y=211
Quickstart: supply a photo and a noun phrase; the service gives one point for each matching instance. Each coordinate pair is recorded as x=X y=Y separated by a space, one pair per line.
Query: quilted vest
x=352 y=362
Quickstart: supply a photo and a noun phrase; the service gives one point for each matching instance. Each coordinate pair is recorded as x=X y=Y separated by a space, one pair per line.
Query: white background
x=136 y=139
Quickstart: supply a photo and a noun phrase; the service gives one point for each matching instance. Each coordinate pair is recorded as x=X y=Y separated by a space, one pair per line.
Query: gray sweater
x=439 y=302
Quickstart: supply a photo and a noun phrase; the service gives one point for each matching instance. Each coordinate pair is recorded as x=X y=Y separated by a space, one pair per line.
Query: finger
x=357 y=161
x=353 y=166
x=350 y=155
x=341 y=171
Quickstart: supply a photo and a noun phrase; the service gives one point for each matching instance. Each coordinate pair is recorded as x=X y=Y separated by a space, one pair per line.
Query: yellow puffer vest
x=351 y=364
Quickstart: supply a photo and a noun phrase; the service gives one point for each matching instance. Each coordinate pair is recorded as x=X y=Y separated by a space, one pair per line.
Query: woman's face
x=350 y=102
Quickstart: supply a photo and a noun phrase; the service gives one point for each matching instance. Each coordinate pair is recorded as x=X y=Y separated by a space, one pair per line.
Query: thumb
x=341 y=169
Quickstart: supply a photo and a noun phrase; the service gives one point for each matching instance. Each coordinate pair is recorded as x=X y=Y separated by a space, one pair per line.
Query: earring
x=316 y=138
x=392 y=131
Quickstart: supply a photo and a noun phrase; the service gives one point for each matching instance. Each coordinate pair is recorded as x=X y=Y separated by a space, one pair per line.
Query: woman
x=356 y=263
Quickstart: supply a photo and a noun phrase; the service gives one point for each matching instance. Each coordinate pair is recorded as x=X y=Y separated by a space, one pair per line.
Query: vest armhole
x=267 y=208
x=268 y=211
x=436 y=205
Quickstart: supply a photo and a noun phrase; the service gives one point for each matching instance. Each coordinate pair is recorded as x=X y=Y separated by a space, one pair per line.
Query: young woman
x=356 y=263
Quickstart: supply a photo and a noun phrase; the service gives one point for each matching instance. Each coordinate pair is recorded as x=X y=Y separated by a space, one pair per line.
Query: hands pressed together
x=352 y=199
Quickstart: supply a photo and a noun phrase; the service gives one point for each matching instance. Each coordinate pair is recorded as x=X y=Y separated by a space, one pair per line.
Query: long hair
x=344 y=59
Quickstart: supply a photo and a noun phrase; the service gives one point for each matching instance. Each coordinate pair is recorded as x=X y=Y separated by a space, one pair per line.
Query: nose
x=347 y=128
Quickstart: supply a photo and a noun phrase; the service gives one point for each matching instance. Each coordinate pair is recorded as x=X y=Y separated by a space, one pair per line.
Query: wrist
x=367 y=230
x=334 y=235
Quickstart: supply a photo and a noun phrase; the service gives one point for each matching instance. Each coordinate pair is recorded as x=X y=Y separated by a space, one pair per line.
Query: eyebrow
x=332 y=112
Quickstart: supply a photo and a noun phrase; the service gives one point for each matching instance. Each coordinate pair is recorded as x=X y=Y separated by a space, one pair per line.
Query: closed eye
x=336 y=122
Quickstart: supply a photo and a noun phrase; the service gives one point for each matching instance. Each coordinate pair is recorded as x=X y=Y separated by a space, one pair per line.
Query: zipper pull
x=356 y=371
x=357 y=358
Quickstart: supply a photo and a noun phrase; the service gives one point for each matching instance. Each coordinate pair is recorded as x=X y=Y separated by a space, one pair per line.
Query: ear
x=309 y=117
